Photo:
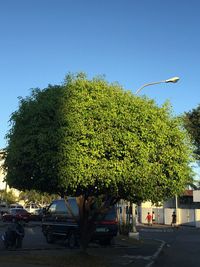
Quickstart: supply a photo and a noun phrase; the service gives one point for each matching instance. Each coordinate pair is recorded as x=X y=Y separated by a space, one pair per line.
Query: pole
x=176 y=206
x=134 y=232
x=147 y=84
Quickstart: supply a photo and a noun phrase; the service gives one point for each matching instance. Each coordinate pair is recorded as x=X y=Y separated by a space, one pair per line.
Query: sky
x=131 y=42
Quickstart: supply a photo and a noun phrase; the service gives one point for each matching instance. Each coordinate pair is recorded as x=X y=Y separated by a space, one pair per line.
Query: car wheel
x=6 y=245
x=72 y=240
x=105 y=242
x=49 y=238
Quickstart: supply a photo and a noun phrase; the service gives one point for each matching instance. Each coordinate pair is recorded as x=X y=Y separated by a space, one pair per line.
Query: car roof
x=15 y=205
x=17 y=209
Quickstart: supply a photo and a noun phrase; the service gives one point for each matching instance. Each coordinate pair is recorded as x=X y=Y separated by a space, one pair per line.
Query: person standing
x=149 y=218
x=173 y=223
x=153 y=217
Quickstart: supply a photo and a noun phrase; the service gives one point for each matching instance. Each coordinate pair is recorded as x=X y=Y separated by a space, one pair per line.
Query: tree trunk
x=87 y=226
x=88 y=216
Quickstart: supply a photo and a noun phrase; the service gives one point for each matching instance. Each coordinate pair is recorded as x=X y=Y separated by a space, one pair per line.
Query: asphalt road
x=182 y=246
x=122 y=252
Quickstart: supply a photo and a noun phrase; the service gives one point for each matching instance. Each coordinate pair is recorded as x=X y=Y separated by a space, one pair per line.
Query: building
x=3 y=184
x=186 y=209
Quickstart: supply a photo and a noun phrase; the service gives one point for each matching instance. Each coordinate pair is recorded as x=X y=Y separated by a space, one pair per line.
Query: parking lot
x=37 y=252
x=34 y=238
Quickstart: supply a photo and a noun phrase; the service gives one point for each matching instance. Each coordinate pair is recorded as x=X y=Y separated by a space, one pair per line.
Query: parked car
x=59 y=223
x=106 y=227
x=3 y=208
x=37 y=216
x=32 y=208
x=16 y=213
x=16 y=206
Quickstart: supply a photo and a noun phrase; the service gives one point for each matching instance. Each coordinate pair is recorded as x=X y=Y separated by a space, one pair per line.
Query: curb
x=150 y=258
x=157 y=253
x=27 y=225
x=156 y=230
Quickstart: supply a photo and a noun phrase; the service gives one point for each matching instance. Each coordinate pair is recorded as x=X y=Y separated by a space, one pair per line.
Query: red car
x=18 y=214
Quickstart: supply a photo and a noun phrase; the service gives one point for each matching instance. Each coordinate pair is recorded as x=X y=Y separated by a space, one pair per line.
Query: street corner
x=146 y=253
x=126 y=251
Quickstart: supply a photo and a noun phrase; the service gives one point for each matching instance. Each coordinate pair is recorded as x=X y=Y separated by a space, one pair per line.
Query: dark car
x=16 y=206
x=3 y=208
x=38 y=215
x=106 y=227
x=17 y=214
x=58 y=222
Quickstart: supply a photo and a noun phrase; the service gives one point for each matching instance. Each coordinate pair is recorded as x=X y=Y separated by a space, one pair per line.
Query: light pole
x=134 y=232
x=171 y=80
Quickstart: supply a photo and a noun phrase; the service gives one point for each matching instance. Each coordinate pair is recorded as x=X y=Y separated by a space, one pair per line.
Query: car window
x=61 y=207
x=52 y=208
x=109 y=216
x=73 y=204
x=14 y=206
x=21 y=211
x=12 y=211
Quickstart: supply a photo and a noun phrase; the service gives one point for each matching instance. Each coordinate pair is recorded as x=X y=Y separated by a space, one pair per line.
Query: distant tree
x=8 y=197
x=36 y=197
x=192 y=124
x=99 y=143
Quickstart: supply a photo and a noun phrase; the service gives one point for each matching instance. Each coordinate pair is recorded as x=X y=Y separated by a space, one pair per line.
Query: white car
x=32 y=208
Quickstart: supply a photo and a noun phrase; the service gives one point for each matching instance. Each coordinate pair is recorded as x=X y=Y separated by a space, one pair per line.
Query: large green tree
x=94 y=140
x=192 y=124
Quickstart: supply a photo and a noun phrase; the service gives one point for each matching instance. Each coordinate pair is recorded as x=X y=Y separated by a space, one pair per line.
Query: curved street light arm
x=171 y=80
x=147 y=84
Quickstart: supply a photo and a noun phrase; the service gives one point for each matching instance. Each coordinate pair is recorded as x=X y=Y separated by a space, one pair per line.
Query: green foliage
x=91 y=138
x=8 y=197
x=36 y=197
x=125 y=228
x=192 y=124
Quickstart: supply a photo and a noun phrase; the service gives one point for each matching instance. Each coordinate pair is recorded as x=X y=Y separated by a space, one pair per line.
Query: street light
x=134 y=232
x=171 y=80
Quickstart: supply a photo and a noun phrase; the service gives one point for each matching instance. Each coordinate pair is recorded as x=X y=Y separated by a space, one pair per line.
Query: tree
x=36 y=197
x=98 y=142
x=192 y=124
x=9 y=197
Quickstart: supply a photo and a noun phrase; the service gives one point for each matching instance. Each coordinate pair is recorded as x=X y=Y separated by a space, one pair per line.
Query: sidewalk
x=155 y=228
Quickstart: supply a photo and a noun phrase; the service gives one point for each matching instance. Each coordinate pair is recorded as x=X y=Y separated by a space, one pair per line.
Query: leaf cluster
x=191 y=121
x=89 y=137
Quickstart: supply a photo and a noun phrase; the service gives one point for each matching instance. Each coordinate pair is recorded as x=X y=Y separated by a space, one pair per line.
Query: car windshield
x=109 y=216
x=18 y=211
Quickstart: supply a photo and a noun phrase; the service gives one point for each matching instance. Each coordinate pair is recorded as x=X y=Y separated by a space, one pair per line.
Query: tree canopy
x=92 y=138
x=192 y=124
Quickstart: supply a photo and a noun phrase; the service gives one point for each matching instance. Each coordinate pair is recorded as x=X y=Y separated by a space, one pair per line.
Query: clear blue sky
x=130 y=41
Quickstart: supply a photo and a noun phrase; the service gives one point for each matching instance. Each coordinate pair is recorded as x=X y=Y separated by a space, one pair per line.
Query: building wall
x=3 y=185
